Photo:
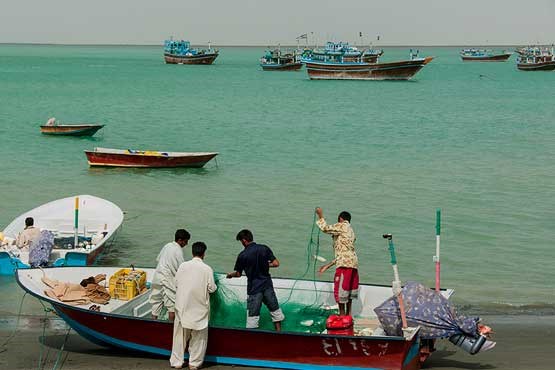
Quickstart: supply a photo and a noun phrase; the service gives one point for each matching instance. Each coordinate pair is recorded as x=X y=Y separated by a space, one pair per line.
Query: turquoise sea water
x=476 y=140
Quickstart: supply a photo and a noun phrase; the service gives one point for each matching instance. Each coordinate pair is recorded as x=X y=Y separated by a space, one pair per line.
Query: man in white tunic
x=29 y=235
x=194 y=281
x=162 y=296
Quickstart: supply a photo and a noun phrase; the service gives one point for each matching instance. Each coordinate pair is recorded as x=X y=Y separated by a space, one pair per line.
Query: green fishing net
x=303 y=309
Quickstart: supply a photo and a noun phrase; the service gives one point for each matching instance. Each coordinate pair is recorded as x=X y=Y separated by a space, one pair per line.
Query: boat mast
x=76 y=223
x=436 y=257
x=396 y=285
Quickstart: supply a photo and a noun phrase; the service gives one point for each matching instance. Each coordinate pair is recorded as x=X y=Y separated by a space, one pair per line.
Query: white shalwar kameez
x=162 y=288
x=194 y=281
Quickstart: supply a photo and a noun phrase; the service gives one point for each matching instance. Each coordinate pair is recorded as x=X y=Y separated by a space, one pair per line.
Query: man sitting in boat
x=29 y=235
x=194 y=282
x=162 y=296
x=51 y=122
x=345 y=282
x=256 y=260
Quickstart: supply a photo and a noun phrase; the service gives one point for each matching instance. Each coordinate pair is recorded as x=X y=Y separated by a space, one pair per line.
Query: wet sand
x=523 y=343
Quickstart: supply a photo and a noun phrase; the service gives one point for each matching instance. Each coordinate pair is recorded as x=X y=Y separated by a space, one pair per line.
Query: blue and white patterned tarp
x=40 y=249
x=428 y=309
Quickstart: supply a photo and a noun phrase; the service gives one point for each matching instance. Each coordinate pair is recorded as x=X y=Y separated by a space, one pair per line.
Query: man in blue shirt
x=256 y=260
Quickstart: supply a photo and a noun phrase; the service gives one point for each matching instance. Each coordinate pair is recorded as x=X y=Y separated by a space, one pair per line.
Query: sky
x=262 y=22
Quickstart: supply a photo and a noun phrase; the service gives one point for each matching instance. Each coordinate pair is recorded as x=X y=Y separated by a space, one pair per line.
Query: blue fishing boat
x=536 y=59
x=278 y=60
x=180 y=52
x=340 y=61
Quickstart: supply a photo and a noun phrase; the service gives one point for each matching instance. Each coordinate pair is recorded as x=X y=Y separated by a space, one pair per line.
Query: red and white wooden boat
x=146 y=158
x=127 y=324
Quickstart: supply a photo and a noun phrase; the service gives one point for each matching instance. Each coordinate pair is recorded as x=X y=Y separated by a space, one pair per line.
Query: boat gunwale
x=75 y=125
x=121 y=316
x=125 y=152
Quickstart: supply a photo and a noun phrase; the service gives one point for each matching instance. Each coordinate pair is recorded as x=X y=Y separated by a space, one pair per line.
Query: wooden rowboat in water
x=99 y=221
x=71 y=130
x=128 y=325
x=146 y=158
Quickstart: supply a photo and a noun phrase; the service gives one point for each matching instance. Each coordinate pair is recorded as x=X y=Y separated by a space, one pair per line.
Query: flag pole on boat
x=436 y=257
x=397 y=281
x=76 y=224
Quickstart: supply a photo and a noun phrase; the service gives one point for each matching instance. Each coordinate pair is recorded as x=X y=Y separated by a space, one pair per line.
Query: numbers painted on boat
x=334 y=347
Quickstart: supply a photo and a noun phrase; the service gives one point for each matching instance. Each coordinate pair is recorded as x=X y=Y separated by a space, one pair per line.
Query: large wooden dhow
x=105 y=157
x=536 y=59
x=339 y=61
x=180 y=52
x=484 y=55
x=127 y=324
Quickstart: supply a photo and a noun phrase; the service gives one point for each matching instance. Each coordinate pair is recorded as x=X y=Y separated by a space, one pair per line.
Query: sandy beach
x=523 y=342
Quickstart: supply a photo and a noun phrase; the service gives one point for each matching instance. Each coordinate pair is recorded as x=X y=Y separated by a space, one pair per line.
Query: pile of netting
x=304 y=310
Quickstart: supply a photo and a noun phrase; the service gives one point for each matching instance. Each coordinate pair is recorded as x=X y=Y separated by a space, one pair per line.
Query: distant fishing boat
x=81 y=129
x=123 y=324
x=276 y=60
x=340 y=61
x=484 y=55
x=180 y=52
x=146 y=158
x=536 y=59
x=98 y=222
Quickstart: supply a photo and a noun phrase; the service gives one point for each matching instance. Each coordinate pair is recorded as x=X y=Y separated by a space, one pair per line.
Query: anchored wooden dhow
x=180 y=52
x=340 y=61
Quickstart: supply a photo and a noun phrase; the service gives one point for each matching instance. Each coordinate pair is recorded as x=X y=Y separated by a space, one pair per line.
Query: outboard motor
x=470 y=344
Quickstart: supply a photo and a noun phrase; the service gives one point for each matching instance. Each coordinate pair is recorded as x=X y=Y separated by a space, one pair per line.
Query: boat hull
x=100 y=159
x=248 y=347
x=70 y=130
x=544 y=66
x=282 y=67
x=192 y=59
x=402 y=70
x=489 y=58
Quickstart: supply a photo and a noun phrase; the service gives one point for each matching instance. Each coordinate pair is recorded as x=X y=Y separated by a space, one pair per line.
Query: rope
x=41 y=364
x=310 y=262
x=12 y=335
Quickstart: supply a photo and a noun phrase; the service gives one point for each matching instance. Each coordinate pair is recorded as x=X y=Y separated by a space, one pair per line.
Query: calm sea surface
x=476 y=140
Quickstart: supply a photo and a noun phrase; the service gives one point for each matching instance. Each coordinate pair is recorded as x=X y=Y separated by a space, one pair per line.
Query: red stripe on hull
x=193 y=59
x=125 y=160
x=311 y=349
x=91 y=257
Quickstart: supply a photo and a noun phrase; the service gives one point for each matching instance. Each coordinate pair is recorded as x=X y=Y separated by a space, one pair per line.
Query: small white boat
x=98 y=222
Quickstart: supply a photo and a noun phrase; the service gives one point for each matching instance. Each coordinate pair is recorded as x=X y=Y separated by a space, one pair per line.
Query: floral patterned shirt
x=343 y=242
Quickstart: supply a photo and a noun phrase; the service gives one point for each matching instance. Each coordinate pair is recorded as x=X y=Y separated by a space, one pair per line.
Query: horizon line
x=265 y=45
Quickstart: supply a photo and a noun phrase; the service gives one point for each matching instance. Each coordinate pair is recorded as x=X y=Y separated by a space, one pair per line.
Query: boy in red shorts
x=345 y=282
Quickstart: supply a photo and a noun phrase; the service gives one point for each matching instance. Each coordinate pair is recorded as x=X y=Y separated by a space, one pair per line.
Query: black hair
x=182 y=234
x=198 y=249
x=244 y=234
x=345 y=215
x=29 y=221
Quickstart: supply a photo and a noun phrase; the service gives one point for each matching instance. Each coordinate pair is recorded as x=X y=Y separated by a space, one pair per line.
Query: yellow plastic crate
x=126 y=284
